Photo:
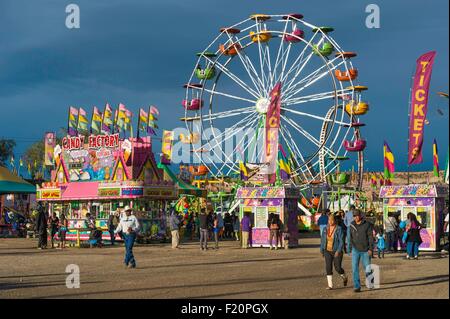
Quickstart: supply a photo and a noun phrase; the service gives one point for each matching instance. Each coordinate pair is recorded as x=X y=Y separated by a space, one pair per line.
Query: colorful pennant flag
x=283 y=164
x=128 y=118
x=96 y=122
x=243 y=170
x=381 y=180
x=107 y=119
x=120 y=118
x=435 y=159
x=154 y=110
x=143 y=121
x=83 y=122
x=151 y=123
x=389 y=166
x=73 y=122
x=373 y=181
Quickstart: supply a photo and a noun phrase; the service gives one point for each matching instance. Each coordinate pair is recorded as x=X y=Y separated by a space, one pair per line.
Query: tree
x=34 y=156
x=6 y=150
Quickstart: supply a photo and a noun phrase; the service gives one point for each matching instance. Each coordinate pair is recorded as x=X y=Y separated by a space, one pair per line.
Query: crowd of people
x=340 y=233
x=350 y=232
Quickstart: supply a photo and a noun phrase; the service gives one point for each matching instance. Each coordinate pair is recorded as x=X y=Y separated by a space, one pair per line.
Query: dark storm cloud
x=140 y=52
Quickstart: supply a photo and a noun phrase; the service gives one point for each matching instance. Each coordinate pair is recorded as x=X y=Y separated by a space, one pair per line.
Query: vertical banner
x=389 y=165
x=272 y=131
x=107 y=119
x=73 y=122
x=167 y=147
x=49 y=146
x=419 y=107
x=435 y=159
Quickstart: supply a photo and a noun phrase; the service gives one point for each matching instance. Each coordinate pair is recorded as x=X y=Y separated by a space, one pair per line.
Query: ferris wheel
x=231 y=89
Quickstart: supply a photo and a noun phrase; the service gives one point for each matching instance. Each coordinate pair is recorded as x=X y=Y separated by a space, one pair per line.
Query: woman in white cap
x=129 y=226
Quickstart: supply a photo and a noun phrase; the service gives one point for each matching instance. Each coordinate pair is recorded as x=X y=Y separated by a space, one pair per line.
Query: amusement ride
x=230 y=92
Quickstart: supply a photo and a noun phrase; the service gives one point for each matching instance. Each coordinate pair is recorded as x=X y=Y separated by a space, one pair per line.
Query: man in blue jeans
x=360 y=245
x=129 y=226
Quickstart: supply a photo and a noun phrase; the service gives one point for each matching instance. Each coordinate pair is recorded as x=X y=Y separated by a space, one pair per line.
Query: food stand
x=427 y=202
x=101 y=174
x=259 y=202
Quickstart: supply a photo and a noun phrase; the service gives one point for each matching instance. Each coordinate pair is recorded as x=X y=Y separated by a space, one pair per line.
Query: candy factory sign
x=92 y=142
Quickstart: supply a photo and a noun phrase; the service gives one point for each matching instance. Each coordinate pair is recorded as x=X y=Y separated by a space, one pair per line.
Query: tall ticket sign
x=419 y=106
x=272 y=131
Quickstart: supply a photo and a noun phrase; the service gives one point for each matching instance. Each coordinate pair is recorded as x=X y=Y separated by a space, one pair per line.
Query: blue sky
x=141 y=52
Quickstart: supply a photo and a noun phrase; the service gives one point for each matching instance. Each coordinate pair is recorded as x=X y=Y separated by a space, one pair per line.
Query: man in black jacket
x=203 y=230
x=41 y=226
x=360 y=245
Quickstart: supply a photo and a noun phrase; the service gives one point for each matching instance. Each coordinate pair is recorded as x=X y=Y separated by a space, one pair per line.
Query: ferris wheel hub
x=262 y=105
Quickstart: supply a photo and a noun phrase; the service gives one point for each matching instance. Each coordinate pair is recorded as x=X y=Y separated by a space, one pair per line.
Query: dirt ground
x=229 y=272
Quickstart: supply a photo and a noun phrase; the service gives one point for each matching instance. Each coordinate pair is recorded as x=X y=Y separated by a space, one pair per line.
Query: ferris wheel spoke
x=248 y=66
x=317 y=97
x=245 y=122
x=304 y=169
x=300 y=62
x=310 y=79
x=261 y=62
x=279 y=59
x=224 y=94
x=230 y=133
x=246 y=147
x=219 y=115
x=233 y=77
x=307 y=135
x=317 y=117
x=269 y=66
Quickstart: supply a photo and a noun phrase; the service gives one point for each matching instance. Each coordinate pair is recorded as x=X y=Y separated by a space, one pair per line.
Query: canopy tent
x=183 y=187
x=13 y=184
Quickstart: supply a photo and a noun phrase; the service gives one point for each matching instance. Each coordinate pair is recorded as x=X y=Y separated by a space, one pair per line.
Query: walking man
x=360 y=246
x=203 y=230
x=245 y=227
x=41 y=227
x=175 y=229
x=113 y=222
x=391 y=233
x=129 y=226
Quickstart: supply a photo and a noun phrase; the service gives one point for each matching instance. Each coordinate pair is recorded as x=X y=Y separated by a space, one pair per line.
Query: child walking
x=381 y=243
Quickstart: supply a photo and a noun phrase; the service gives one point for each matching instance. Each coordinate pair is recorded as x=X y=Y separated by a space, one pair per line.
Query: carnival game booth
x=99 y=178
x=427 y=202
x=16 y=197
x=259 y=202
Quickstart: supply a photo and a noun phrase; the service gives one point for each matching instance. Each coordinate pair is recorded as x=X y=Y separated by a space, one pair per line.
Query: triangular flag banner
x=72 y=127
x=96 y=123
x=107 y=120
x=83 y=122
